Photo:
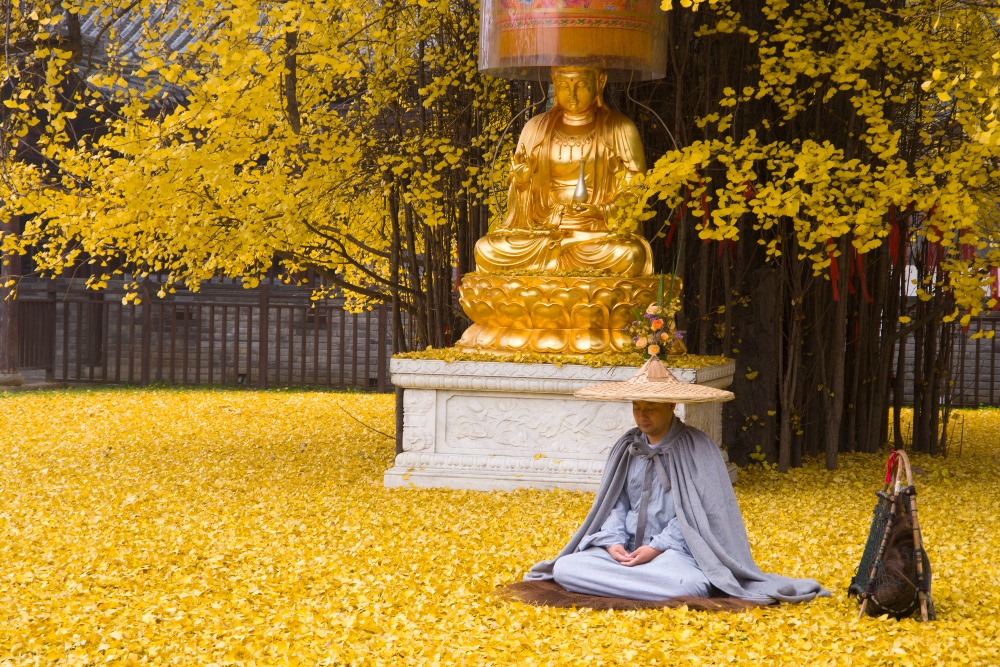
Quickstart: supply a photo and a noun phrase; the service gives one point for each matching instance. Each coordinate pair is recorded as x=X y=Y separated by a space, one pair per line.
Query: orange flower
x=657 y=324
x=653 y=349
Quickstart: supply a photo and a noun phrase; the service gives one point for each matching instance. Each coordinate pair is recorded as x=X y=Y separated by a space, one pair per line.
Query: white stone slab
x=500 y=425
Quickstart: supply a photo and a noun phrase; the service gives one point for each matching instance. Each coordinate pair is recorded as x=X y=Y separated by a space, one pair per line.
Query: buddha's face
x=577 y=89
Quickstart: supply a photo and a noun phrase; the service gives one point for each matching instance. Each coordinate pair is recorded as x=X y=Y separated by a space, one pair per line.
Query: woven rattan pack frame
x=893 y=499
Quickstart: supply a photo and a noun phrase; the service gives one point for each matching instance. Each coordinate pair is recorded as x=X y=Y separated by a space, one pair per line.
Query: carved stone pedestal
x=498 y=425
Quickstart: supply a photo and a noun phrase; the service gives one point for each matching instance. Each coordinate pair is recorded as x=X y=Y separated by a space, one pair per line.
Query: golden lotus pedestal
x=544 y=314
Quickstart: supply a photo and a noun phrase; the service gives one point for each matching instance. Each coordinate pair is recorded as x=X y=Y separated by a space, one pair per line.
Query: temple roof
x=112 y=43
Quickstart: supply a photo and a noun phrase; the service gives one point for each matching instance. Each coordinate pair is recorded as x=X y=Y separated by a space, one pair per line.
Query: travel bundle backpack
x=894 y=576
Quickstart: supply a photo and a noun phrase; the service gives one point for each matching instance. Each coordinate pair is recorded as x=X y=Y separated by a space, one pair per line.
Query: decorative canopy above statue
x=522 y=39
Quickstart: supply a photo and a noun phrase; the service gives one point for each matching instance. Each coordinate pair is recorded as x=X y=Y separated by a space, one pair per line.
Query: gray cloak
x=708 y=515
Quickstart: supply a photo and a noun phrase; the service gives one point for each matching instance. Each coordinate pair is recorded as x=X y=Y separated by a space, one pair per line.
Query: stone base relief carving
x=521 y=425
x=501 y=426
x=418 y=419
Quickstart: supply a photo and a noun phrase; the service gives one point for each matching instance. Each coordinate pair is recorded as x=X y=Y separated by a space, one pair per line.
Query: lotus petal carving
x=609 y=298
x=549 y=316
x=590 y=340
x=514 y=339
x=552 y=314
x=479 y=311
x=528 y=296
x=549 y=340
x=623 y=315
x=589 y=316
x=569 y=297
x=515 y=314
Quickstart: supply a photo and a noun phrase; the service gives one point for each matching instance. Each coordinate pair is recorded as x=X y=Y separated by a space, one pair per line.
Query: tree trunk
x=791 y=361
x=399 y=342
x=10 y=269
x=833 y=397
x=746 y=424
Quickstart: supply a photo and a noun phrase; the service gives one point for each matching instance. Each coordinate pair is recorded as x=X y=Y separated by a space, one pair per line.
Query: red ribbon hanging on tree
x=933 y=256
x=888 y=467
x=670 y=236
x=893 y=236
x=851 y=264
x=968 y=249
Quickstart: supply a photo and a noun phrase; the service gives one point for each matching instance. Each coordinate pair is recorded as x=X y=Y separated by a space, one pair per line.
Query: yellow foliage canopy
x=313 y=131
x=320 y=130
x=911 y=92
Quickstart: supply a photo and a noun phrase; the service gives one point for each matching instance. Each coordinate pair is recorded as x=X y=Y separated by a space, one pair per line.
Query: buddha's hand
x=547 y=228
x=584 y=209
x=616 y=164
x=520 y=169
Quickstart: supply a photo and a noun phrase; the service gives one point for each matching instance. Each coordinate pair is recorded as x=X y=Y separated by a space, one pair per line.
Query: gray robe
x=707 y=513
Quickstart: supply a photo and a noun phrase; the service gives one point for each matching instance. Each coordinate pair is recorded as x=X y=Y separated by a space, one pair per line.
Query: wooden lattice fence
x=271 y=336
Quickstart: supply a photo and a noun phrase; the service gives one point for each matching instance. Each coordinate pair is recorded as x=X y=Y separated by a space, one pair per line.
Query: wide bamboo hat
x=656 y=384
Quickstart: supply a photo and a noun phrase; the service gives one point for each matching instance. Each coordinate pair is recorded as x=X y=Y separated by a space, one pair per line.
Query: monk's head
x=578 y=89
x=653 y=419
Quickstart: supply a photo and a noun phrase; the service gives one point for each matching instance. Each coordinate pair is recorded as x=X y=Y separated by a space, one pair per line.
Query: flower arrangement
x=654 y=332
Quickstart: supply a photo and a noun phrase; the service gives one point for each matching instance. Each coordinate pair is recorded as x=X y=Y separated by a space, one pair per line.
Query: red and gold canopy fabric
x=521 y=39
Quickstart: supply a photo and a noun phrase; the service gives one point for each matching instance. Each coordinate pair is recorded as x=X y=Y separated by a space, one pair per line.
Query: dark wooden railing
x=974 y=364
x=265 y=337
x=36 y=334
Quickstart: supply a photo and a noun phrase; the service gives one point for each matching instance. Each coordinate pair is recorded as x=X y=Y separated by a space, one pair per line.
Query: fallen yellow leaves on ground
x=195 y=527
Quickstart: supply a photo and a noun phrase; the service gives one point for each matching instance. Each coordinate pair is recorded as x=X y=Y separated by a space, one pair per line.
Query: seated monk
x=665 y=522
x=571 y=166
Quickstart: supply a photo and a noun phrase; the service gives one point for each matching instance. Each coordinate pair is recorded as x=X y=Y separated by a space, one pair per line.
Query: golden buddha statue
x=569 y=169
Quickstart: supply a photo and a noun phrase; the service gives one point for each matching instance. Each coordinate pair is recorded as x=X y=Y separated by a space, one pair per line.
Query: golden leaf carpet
x=196 y=527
